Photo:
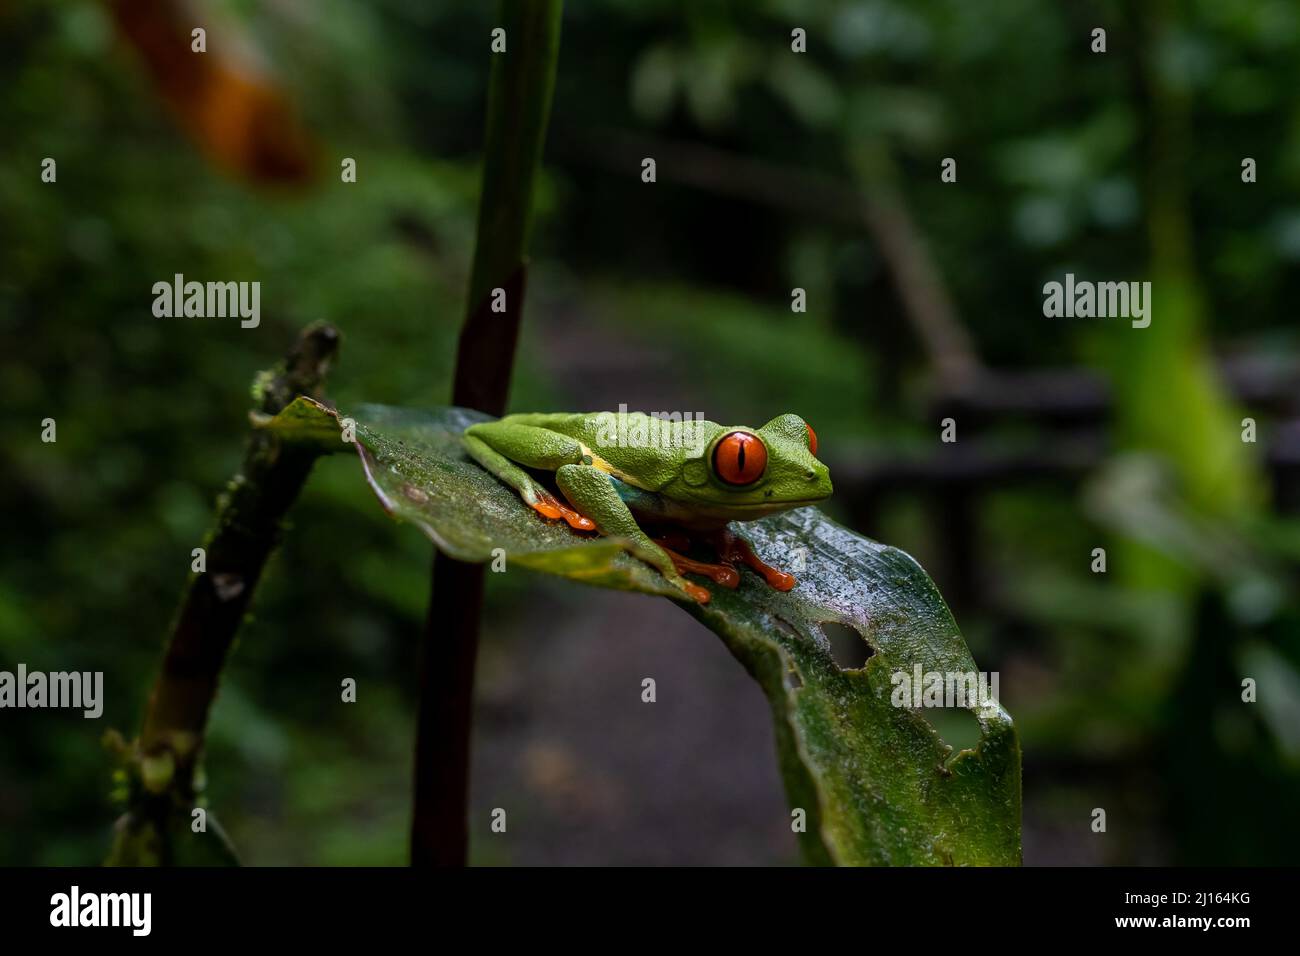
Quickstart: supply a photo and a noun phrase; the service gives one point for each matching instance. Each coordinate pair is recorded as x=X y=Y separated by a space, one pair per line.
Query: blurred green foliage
x=669 y=296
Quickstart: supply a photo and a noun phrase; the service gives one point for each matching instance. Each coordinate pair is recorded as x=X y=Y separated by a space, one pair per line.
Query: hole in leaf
x=957 y=726
x=849 y=648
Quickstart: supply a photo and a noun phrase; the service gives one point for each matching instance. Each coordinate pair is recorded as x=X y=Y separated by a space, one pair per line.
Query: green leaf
x=876 y=782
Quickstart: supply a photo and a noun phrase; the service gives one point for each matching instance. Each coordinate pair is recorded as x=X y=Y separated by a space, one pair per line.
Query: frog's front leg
x=497 y=446
x=732 y=548
x=592 y=492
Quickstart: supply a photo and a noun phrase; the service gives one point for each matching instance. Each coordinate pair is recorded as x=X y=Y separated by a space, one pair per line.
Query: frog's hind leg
x=675 y=544
x=534 y=494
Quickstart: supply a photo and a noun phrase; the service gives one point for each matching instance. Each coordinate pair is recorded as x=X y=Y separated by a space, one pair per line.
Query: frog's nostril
x=812 y=475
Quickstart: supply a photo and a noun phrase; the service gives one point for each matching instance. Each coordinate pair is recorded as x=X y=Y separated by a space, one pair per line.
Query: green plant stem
x=519 y=103
x=246 y=530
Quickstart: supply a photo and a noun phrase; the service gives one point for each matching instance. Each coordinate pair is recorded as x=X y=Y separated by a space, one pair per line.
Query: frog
x=662 y=483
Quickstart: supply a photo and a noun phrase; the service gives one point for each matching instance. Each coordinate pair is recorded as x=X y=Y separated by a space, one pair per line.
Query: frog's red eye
x=739 y=459
x=812 y=439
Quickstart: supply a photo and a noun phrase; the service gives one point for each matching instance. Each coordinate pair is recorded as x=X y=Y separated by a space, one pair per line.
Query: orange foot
x=717 y=573
x=699 y=594
x=732 y=548
x=549 y=506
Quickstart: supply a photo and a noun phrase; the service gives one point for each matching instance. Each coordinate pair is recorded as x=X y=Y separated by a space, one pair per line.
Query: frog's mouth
x=775 y=505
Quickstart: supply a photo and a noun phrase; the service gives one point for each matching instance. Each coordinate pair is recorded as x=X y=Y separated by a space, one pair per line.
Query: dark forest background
x=775 y=170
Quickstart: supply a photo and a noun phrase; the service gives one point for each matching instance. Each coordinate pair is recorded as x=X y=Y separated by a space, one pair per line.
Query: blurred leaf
x=1279 y=699
x=241 y=121
x=809 y=92
x=878 y=784
x=654 y=83
x=712 y=77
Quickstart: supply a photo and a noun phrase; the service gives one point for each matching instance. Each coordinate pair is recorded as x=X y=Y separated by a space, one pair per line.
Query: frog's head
x=742 y=473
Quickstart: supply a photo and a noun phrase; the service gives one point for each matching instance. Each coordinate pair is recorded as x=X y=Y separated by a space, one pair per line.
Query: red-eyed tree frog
x=691 y=478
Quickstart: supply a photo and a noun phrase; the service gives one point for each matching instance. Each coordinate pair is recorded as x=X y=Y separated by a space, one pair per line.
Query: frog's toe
x=548 y=506
x=545 y=508
x=698 y=594
x=778 y=579
x=720 y=574
x=577 y=522
x=734 y=549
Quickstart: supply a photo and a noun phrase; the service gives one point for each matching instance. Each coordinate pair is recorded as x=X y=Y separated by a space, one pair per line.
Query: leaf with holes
x=870 y=779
